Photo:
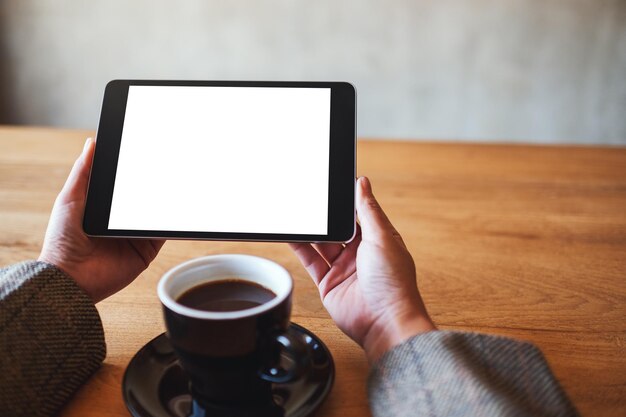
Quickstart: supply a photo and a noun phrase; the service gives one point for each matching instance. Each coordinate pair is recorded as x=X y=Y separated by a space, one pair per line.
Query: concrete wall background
x=503 y=70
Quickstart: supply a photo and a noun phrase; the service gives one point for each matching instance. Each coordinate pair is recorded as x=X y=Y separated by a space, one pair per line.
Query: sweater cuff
x=456 y=373
x=51 y=339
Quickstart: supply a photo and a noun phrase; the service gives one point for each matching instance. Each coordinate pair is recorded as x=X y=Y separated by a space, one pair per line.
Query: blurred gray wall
x=501 y=70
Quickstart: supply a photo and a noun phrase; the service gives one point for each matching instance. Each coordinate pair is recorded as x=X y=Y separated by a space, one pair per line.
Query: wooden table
x=522 y=241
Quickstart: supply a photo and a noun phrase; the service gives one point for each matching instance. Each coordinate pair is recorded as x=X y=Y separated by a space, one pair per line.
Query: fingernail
x=365 y=184
x=87 y=143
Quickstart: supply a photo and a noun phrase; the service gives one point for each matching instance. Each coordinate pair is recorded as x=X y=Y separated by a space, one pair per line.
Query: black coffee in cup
x=231 y=294
x=227 y=317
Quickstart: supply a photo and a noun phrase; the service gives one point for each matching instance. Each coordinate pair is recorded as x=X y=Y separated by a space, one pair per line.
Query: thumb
x=374 y=222
x=75 y=188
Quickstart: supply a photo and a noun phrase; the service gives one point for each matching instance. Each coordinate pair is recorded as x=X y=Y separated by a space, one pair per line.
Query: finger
x=156 y=245
x=356 y=240
x=348 y=256
x=372 y=217
x=343 y=267
x=311 y=259
x=75 y=188
x=374 y=222
x=330 y=251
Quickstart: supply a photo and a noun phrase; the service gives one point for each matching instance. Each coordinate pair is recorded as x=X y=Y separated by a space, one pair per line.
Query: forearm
x=465 y=374
x=51 y=339
x=385 y=334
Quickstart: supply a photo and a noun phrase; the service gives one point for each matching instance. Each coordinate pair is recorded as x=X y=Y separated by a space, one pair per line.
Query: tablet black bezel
x=342 y=164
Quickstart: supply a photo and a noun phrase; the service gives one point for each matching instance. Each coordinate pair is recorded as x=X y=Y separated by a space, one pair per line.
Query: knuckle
x=372 y=203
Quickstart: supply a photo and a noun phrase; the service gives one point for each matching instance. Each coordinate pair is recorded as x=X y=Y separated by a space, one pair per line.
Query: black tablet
x=226 y=160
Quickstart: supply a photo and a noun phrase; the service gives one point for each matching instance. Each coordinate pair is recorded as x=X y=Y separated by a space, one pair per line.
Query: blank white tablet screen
x=223 y=159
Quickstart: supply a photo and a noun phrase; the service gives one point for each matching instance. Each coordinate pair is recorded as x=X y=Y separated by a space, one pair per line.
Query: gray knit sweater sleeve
x=449 y=373
x=51 y=339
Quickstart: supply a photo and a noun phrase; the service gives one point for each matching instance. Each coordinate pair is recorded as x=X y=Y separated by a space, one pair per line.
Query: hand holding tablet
x=271 y=161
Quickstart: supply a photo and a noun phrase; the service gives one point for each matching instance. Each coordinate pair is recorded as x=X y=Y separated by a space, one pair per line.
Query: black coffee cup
x=232 y=357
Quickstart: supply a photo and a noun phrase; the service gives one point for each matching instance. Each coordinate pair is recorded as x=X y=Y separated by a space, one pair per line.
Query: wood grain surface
x=522 y=241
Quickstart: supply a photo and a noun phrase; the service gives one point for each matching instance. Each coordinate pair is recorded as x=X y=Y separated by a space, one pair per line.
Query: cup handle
x=298 y=351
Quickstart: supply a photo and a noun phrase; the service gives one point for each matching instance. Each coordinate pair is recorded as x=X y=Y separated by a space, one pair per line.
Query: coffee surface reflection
x=230 y=294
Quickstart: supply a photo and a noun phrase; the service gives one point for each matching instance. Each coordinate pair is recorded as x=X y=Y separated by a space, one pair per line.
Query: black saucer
x=156 y=386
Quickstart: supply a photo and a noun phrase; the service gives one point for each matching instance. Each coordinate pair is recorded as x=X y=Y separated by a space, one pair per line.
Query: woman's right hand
x=100 y=266
x=369 y=285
